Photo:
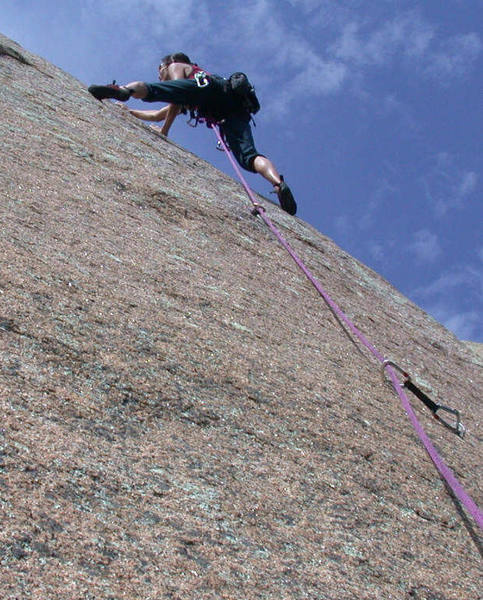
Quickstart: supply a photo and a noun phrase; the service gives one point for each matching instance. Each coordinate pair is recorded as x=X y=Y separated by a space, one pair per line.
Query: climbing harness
x=202 y=80
x=388 y=366
x=434 y=407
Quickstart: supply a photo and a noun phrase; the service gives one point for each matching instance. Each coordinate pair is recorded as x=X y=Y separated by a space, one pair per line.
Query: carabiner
x=201 y=79
x=390 y=363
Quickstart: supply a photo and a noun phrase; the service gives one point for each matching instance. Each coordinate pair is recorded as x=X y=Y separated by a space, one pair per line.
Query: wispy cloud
x=376 y=250
x=343 y=226
x=454 y=57
x=407 y=39
x=425 y=246
x=290 y=60
x=400 y=112
x=306 y=5
x=447 y=185
x=465 y=325
x=173 y=22
x=440 y=297
x=467 y=184
x=405 y=35
x=321 y=77
x=367 y=219
x=468 y=276
x=382 y=195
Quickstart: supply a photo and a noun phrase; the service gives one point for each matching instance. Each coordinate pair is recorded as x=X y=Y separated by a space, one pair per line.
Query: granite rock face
x=182 y=416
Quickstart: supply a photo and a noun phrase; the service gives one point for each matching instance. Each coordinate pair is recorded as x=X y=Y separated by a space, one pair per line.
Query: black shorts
x=238 y=134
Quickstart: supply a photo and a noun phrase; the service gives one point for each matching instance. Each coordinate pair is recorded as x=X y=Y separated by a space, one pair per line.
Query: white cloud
x=425 y=246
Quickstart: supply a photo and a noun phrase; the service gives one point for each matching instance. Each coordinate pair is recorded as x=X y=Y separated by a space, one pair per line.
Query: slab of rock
x=182 y=415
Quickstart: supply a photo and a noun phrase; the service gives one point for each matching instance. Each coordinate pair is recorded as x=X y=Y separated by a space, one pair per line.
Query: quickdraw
x=434 y=407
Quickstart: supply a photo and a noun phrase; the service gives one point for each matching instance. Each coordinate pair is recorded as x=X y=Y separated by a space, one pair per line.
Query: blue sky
x=370 y=108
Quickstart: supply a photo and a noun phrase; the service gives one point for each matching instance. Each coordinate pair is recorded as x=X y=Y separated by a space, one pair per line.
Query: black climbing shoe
x=101 y=92
x=285 y=197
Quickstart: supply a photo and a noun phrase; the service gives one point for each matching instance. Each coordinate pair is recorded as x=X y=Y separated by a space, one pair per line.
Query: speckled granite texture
x=181 y=415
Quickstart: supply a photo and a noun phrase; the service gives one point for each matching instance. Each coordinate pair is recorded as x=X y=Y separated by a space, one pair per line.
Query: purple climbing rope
x=438 y=462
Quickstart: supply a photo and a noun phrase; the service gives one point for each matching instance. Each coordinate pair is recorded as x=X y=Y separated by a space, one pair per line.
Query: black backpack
x=238 y=83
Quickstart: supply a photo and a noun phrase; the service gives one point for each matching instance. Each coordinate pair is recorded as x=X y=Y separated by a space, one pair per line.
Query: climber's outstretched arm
x=167 y=114
x=151 y=115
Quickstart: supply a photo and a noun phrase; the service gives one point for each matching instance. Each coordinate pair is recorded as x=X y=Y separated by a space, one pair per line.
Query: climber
x=185 y=84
